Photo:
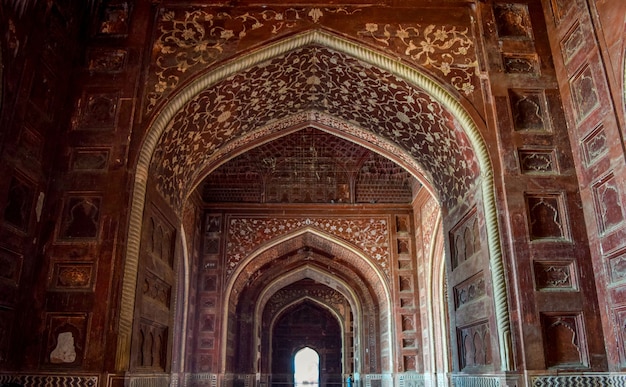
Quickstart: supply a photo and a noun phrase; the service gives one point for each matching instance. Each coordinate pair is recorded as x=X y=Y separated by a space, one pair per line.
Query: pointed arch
x=380 y=298
x=376 y=59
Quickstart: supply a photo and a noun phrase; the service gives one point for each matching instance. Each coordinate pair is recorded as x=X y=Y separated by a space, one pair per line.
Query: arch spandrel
x=189 y=40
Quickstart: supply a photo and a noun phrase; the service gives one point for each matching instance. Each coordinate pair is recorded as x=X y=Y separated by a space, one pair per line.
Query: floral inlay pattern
x=247 y=234
x=315 y=79
x=191 y=40
x=446 y=49
x=187 y=41
x=430 y=212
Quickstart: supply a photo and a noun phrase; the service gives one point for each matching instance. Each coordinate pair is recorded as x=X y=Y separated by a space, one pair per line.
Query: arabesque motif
x=247 y=234
x=190 y=41
x=199 y=38
x=314 y=79
x=448 y=50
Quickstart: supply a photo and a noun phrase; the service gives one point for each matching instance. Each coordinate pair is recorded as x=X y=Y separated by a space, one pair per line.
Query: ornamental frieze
x=247 y=234
x=284 y=297
x=187 y=41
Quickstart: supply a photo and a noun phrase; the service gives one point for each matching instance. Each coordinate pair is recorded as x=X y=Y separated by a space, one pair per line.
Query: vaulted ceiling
x=323 y=88
x=309 y=166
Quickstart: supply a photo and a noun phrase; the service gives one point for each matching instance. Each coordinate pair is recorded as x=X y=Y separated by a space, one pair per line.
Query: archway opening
x=306 y=366
x=306 y=325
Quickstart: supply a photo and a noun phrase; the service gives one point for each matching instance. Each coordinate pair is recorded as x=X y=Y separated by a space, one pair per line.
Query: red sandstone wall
x=69 y=256
x=587 y=40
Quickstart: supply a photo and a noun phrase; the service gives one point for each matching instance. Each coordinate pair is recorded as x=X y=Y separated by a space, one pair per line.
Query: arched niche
x=455 y=178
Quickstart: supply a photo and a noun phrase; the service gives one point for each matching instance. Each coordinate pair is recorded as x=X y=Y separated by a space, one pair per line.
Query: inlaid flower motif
x=447 y=50
x=371 y=27
x=248 y=234
x=315 y=14
x=227 y=34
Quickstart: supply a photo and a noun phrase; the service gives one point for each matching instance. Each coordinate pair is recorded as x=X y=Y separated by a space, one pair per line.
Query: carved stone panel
x=608 y=203
x=213 y=224
x=529 y=110
x=6 y=327
x=206 y=342
x=162 y=240
x=469 y=290
x=474 y=343
x=19 y=205
x=207 y=323
x=43 y=87
x=620 y=317
x=80 y=218
x=520 y=64
x=512 y=21
x=69 y=276
x=560 y=8
x=408 y=323
x=403 y=246
x=406 y=283
x=546 y=217
x=65 y=339
x=212 y=235
x=403 y=224
x=555 y=275
x=87 y=160
x=594 y=145
x=408 y=343
x=406 y=302
x=115 y=19
x=405 y=264
x=617 y=265
x=465 y=239
x=565 y=342
x=10 y=267
x=152 y=345
x=409 y=362
x=106 y=60
x=573 y=43
x=31 y=148
x=96 y=111
x=157 y=290
x=209 y=283
x=537 y=161
x=208 y=302
x=584 y=93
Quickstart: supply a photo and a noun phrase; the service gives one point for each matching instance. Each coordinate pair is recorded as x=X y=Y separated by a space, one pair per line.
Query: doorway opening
x=306 y=366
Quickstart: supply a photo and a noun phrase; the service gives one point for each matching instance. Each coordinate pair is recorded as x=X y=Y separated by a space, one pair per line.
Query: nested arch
x=311 y=254
x=458 y=161
x=370 y=274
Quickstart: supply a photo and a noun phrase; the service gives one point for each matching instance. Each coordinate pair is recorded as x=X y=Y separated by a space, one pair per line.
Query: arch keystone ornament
x=420 y=118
